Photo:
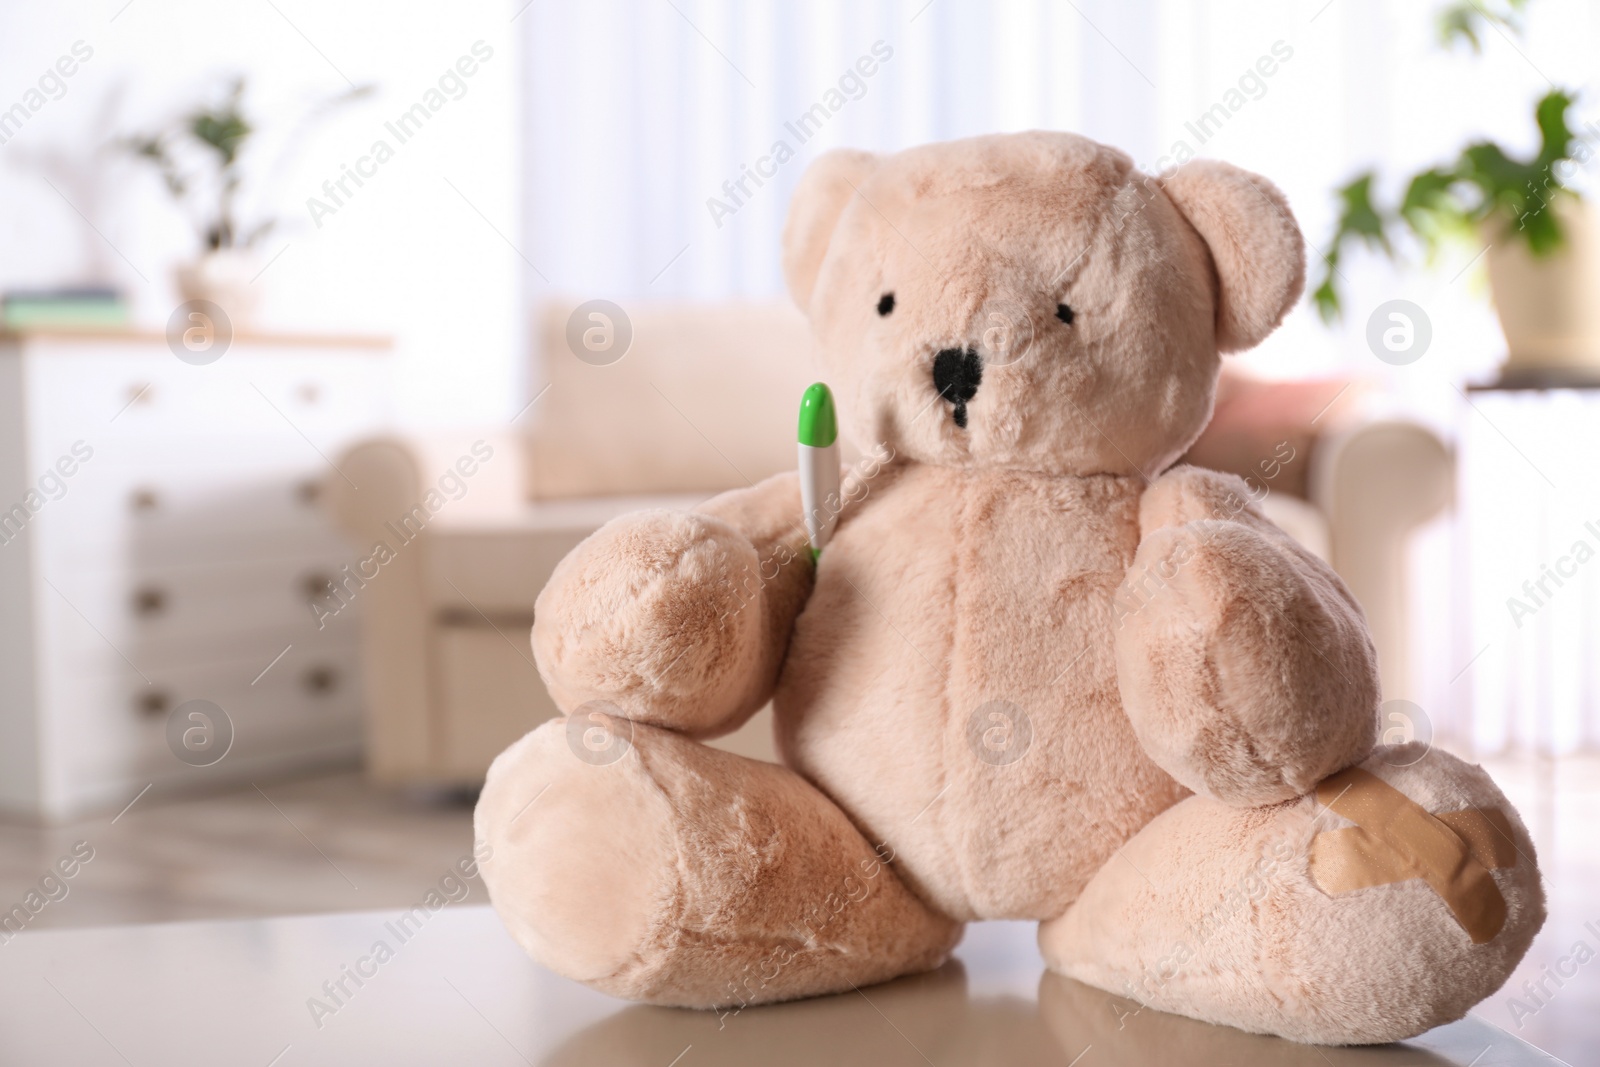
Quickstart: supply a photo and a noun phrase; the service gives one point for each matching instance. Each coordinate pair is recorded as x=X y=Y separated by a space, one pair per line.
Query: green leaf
x=1428 y=191
x=1358 y=218
x=1521 y=193
x=1488 y=167
x=1326 y=297
x=1457 y=24
x=1430 y=206
x=1540 y=228
x=1461 y=21
x=223 y=128
x=1555 y=135
x=223 y=131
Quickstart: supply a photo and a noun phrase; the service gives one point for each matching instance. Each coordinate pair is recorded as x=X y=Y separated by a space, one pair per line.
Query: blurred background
x=329 y=329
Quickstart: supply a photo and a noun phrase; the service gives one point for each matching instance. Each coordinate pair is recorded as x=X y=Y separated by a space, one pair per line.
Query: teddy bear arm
x=769 y=514
x=678 y=619
x=1243 y=661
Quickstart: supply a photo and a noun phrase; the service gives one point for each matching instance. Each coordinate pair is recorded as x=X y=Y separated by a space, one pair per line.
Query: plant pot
x=224 y=278
x=1549 y=307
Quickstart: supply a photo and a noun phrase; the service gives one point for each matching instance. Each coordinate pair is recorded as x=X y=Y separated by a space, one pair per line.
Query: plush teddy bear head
x=1031 y=301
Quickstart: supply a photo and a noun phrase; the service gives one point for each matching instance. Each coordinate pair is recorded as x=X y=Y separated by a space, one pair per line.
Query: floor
x=320 y=844
x=335 y=843
x=1553 y=999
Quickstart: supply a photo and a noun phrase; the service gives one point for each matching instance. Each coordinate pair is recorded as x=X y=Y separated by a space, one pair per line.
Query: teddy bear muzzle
x=956 y=374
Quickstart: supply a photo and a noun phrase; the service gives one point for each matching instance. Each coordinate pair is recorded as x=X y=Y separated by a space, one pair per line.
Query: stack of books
x=75 y=307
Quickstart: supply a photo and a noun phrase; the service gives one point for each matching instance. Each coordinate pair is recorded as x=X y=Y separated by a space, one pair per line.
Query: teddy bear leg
x=1346 y=916
x=656 y=868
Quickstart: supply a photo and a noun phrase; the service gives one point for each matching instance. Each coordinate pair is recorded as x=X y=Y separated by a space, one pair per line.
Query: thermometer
x=819 y=465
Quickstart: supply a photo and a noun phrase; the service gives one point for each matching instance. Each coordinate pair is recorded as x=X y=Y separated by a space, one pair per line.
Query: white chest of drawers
x=161 y=540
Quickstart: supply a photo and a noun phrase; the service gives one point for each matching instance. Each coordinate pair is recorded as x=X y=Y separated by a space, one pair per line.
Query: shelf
x=132 y=335
x=1542 y=379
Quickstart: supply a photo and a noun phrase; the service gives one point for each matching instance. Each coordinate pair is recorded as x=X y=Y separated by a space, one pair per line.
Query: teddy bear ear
x=820 y=198
x=1259 y=253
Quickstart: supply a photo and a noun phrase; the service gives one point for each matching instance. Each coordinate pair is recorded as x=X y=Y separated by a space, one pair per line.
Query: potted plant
x=1541 y=240
x=201 y=161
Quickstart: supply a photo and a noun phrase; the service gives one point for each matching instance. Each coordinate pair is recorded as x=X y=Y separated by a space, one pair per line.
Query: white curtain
x=639 y=112
x=1527 y=650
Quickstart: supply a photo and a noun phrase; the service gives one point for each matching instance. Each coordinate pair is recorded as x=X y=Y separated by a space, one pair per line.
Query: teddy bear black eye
x=885 y=303
x=1064 y=313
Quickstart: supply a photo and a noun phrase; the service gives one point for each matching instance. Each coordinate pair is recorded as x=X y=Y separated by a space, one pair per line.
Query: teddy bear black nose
x=956 y=374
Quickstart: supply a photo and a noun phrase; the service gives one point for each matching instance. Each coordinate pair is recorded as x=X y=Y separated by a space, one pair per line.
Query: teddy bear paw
x=1388 y=901
x=657 y=616
x=1247 y=673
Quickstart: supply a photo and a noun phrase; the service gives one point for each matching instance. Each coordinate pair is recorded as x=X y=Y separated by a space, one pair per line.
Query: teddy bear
x=1040 y=672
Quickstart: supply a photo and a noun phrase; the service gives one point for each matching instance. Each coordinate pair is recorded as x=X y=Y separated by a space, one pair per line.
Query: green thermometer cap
x=819 y=427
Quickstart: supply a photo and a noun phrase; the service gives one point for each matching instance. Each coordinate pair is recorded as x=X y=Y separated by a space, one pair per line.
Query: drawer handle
x=320 y=680
x=309 y=492
x=316 y=586
x=149 y=600
x=143 y=499
x=153 y=703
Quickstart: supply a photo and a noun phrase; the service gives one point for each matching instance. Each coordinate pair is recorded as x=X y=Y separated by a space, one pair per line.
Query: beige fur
x=1276 y=629
x=691 y=876
x=1251 y=235
x=1028 y=643
x=1213 y=915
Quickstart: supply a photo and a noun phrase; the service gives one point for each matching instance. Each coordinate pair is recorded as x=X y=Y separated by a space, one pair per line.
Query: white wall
x=406 y=255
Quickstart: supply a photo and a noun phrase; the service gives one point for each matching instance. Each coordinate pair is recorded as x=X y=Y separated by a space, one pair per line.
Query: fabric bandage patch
x=1395 y=839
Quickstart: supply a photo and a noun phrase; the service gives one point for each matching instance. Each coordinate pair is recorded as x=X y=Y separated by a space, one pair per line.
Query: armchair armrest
x=394 y=495
x=475 y=476
x=1377 y=482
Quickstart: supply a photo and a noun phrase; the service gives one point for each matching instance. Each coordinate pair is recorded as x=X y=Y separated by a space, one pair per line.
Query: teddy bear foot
x=1389 y=901
x=655 y=868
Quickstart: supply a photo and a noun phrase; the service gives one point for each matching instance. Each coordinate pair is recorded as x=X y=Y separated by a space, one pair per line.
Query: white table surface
x=460 y=991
